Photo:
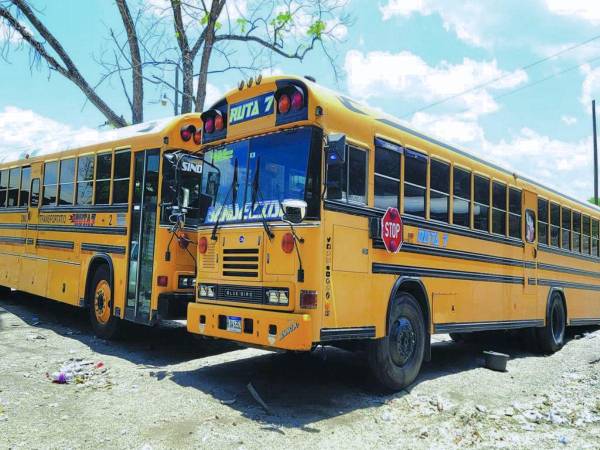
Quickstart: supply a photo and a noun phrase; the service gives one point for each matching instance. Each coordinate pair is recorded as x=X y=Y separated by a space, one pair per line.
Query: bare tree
x=194 y=38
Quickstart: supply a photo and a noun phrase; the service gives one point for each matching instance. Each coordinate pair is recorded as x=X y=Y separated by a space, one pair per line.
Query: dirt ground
x=161 y=388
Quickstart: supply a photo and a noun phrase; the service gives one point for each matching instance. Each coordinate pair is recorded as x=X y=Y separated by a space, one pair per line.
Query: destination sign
x=251 y=109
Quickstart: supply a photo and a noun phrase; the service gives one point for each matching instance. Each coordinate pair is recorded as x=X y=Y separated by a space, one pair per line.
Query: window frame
x=494 y=208
x=475 y=202
x=546 y=222
x=418 y=155
x=391 y=147
x=103 y=180
x=114 y=180
x=454 y=196
x=447 y=195
x=55 y=184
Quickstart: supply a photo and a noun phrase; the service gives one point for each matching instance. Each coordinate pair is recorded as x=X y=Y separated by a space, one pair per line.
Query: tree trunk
x=137 y=109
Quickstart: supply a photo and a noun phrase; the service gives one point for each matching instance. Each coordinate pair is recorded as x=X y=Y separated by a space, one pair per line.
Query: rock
x=481 y=408
x=509 y=412
x=386 y=416
x=563 y=440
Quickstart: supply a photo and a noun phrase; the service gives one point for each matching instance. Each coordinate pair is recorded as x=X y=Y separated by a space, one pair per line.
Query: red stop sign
x=391 y=230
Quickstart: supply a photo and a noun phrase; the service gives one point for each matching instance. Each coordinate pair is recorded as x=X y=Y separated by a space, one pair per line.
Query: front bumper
x=271 y=329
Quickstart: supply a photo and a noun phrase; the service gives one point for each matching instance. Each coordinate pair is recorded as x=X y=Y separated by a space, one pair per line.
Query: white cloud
x=213 y=94
x=568 y=120
x=8 y=34
x=586 y=10
x=23 y=131
x=467 y=19
x=377 y=74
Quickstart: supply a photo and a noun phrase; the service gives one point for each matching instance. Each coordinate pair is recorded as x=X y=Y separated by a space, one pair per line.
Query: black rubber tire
x=395 y=368
x=112 y=328
x=4 y=291
x=551 y=337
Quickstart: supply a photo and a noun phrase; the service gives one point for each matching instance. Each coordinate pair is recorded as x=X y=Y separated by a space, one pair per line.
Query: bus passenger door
x=142 y=236
x=528 y=307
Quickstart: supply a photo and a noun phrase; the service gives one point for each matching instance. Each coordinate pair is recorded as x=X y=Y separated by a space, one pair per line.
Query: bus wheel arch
x=563 y=297
x=100 y=297
x=416 y=288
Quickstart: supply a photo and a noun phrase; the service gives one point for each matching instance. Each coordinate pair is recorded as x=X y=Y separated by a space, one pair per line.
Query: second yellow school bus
x=93 y=225
x=291 y=253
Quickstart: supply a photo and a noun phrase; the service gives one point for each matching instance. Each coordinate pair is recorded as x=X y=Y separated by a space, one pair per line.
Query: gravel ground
x=160 y=388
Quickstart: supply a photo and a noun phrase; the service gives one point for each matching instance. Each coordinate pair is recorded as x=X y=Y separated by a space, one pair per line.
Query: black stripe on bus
x=560 y=251
x=49 y=243
x=115 y=249
x=13 y=226
x=583 y=322
x=365 y=211
x=13 y=209
x=82 y=229
x=570 y=270
x=338 y=334
x=394 y=269
x=458 y=254
x=568 y=284
x=485 y=326
x=84 y=208
x=12 y=240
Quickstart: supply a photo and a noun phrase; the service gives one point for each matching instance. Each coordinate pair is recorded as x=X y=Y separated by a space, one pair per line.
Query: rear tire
x=551 y=337
x=101 y=305
x=395 y=360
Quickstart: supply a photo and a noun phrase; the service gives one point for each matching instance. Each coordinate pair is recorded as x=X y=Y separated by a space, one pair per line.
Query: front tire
x=395 y=360
x=101 y=305
x=551 y=337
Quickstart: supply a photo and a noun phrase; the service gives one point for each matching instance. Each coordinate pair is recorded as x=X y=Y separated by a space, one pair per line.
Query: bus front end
x=259 y=240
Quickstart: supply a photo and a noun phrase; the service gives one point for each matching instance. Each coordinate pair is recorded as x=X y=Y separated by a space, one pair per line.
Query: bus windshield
x=282 y=160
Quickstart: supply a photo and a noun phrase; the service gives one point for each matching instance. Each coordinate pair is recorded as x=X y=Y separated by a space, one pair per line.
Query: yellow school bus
x=295 y=251
x=100 y=226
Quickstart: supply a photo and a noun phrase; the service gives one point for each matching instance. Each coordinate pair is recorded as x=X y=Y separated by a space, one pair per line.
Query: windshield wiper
x=254 y=195
x=233 y=189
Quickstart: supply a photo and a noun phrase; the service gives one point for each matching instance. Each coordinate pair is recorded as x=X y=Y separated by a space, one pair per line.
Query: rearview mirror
x=294 y=210
x=336 y=149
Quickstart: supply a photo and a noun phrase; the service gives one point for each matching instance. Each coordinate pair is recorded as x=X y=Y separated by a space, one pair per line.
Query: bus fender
x=416 y=288
x=551 y=292
x=97 y=260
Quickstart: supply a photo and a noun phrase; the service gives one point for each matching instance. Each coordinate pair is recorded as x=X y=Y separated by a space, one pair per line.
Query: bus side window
x=498 y=208
x=66 y=186
x=439 y=192
x=103 y=175
x=585 y=240
x=357 y=175
x=50 y=183
x=554 y=225
x=576 y=232
x=121 y=179
x=85 y=180
x=461 y=209
x=595 y=246
x=566 y=229
x=415 y=182
x=387 y=177
x=481 y=208
x=542 y=221
x=25 y=180
x=514 y=214
x=3 y=187
x=14 y=181
x=348 y=181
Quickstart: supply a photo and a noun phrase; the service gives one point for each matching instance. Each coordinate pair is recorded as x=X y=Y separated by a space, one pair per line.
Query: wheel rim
x=557 y=323
x=102 y=302
x=403 y=341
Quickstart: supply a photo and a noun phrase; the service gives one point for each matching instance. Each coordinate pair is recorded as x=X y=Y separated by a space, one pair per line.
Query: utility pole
x=595 y=153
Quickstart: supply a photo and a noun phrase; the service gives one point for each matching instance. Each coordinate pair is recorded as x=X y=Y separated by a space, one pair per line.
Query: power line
x=506 y=75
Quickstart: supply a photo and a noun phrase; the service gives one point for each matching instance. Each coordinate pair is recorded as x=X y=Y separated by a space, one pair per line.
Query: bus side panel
x=63 y=282
x=33 y=276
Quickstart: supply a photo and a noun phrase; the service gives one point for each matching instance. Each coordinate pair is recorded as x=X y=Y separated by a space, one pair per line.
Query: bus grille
x=240 y=262
x=209 y=259
x=246 y=294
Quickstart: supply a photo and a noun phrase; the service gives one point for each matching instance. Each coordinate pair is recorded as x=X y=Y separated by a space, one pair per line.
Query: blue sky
x=397 y=56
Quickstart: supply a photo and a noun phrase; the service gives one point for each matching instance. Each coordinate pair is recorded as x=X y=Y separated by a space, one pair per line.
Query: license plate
x=234 y=324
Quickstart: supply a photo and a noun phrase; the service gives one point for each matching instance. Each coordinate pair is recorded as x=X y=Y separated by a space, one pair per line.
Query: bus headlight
x=206 y=291
x=277 y=296
x=186 y=282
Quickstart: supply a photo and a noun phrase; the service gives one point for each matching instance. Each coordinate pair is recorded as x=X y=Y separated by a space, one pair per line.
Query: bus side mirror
x=294 y=210
x=336 y=149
